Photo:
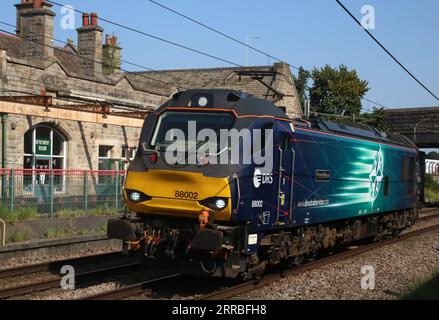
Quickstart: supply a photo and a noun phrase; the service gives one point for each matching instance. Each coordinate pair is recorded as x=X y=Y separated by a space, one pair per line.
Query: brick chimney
x=35 y=22
x=90 y=46
x=112 y=55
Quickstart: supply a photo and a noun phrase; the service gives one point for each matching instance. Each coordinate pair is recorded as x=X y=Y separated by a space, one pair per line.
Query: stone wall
x=3 y=64
x=83 y=140
x=226 y=78
x=405 y=120
x=90 y=48
x=34 y=79
x=36 y=25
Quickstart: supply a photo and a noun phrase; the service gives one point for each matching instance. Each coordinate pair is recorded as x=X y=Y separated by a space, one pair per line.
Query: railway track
x=234 y=291
x=428 y=214
x=45 y=276
x=53 y=265
x=144 y=289
x=138 y=289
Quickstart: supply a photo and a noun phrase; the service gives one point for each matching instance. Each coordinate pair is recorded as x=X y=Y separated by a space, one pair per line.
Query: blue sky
x=303 y=33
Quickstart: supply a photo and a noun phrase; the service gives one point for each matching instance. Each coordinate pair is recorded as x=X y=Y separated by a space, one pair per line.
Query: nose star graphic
x=376 y=175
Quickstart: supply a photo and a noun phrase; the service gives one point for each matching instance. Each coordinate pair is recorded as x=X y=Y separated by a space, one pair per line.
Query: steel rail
x=234 y=291
x=52 y=265
x=132 y=290
x=53 y=281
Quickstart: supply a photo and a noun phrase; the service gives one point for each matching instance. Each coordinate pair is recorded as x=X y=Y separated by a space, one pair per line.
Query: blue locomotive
x=229 y=184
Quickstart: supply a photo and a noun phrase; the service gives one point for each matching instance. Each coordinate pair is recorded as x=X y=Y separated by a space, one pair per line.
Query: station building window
x=44 y=149
x=128 y=155
x=107 y=161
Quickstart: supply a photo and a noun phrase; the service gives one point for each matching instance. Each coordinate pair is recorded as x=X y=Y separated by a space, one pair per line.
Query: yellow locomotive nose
x=177 y=193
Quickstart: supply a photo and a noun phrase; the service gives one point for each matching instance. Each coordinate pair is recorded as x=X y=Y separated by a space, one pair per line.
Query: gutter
x=86 y=96
x=3 y=223
x=4 y=120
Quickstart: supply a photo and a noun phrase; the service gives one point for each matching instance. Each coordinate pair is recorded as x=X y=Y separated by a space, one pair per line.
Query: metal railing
x=50 y=191
x=432 y=167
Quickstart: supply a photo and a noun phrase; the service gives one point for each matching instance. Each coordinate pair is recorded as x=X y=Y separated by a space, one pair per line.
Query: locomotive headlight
x=220 y=204
x=135 y=196
x=215 y=203
x=202 y=101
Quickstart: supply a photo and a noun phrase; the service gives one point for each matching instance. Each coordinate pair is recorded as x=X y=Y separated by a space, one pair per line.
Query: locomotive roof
x=354 y=129
x=243 y=104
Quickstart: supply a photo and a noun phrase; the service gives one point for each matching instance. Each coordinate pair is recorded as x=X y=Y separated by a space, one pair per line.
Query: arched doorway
x=45 y=148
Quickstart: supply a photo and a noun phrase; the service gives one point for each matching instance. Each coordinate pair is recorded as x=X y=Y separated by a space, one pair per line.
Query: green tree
x=433 y=155
x=376 y=118
x=301 y=84
x=337 y=91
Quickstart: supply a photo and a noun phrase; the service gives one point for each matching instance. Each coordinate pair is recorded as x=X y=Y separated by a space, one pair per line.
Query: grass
x=26 y=213
x=20 y=214
x=431 y=196
x=18 y=236
x=30 y=213
x=94 y=212
x=431 y=189
x=63 y=232
x=424 y=290
x=52 y=233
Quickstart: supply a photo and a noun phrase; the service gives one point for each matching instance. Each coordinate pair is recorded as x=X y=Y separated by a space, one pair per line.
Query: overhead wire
x=386 y=50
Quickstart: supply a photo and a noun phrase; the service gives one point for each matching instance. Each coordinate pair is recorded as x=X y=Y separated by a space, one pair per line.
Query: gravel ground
x=397 y=267
x=16 y=262
x=89 y=288
x=74 y=294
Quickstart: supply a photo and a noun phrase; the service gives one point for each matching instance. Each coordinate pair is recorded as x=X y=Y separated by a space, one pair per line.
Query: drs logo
x=262 y=178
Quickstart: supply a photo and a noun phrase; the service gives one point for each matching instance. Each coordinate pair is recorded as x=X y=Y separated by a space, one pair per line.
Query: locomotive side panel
x=339 y=177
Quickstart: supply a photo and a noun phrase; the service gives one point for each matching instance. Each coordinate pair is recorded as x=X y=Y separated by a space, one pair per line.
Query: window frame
x=50 y=157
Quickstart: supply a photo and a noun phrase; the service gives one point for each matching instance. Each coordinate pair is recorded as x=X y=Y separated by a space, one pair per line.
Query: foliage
x=433 y=155
x=376 y=118
x=431 y=189
x=26 y=213
x=301 y=84
x=20 y=214
x=431 y=196
x=18 y=236
x=52 y=233
x=102 y=211
x=424 y=290
x=430 y=183
x=7 y=215
x=337 y=91
x=69 y=231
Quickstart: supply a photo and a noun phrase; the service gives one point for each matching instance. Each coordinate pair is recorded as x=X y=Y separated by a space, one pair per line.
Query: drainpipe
x=3 y=223
x=4 y=138
x=4 y=120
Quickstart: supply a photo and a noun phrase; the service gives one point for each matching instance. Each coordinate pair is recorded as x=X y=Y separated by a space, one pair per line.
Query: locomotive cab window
x=172 y=124
x=264 y=131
